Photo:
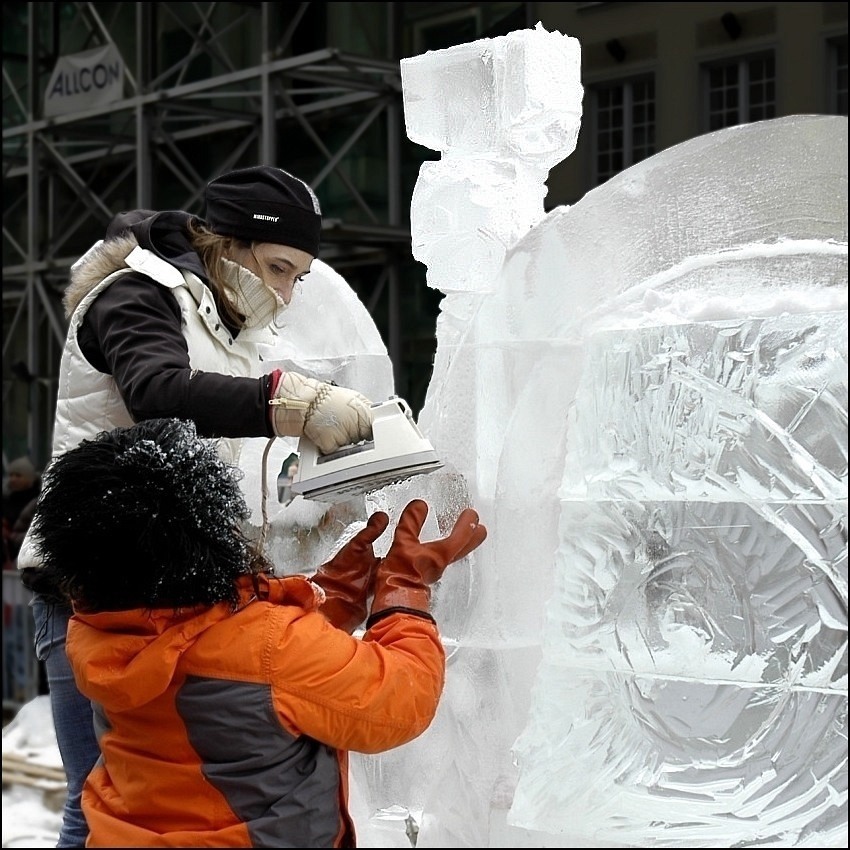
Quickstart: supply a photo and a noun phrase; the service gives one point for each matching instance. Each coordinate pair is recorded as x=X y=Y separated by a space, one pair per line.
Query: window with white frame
x=623 y=124
x=740 y=90
x=838 y=76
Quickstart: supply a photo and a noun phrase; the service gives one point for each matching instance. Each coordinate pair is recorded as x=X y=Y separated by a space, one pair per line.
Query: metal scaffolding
x=207 y=87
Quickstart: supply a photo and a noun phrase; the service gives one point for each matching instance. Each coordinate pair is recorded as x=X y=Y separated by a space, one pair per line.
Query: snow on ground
x=32 y=813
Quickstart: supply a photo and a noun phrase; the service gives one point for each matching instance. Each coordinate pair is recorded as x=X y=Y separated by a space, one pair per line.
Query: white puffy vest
x=88 y=401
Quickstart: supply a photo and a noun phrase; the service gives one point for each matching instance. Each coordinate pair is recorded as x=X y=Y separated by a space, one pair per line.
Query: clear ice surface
x=645 y=397
x=326 y=332
x=514 y=112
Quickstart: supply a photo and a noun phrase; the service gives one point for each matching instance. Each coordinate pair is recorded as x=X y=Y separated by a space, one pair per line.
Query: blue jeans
x=72 y=714
x=18 y=685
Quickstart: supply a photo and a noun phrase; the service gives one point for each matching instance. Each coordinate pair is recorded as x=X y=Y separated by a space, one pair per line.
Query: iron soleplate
x=337 y=487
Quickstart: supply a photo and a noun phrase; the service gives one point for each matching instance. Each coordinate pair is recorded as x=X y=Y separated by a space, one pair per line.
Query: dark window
x=838 y=76
x=624 y=124
x=739 y=90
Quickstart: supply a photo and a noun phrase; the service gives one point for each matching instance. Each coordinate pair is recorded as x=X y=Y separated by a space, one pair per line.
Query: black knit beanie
x=265 y=204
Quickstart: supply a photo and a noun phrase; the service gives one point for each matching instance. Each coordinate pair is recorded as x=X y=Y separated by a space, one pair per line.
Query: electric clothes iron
x=397 y=451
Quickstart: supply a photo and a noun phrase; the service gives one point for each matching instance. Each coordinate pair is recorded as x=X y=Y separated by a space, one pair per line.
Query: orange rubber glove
x=404 y=578
x=347 y=578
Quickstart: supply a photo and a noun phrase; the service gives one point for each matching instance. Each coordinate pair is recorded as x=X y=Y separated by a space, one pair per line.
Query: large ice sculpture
x=523 y=97
x=695 y=646
x=648 y=404
x=645 y=395
x=513 y=113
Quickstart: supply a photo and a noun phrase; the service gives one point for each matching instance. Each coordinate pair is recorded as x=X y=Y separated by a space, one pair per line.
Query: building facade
x=110 y=106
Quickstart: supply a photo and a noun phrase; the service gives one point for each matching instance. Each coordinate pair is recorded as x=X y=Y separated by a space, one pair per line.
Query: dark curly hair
x=147 y=516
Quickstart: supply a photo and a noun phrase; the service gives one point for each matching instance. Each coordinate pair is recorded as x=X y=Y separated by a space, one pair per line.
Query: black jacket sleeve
x=132 y=331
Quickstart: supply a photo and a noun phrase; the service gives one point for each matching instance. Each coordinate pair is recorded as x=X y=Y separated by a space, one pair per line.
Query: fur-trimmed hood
x=103 y=258
x=163 y=233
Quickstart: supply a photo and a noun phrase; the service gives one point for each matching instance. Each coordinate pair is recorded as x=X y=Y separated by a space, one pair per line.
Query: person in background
x=20 y=491
x=14 y=536
x=22 y=486
x=288 y=471
x=227 y=698
x=166 y=314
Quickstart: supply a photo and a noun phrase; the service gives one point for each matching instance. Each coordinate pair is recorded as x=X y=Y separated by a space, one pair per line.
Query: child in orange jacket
x=226 y=699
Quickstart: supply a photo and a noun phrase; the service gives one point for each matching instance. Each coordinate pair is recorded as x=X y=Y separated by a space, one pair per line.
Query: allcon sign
x=85 y=80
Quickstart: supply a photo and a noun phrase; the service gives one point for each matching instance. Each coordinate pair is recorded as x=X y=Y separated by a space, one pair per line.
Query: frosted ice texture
x=648 y=405
x=695 y=647
x=326 y=332
x=515 y=98
x=513 y=113
x=471 y=213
